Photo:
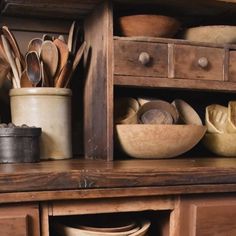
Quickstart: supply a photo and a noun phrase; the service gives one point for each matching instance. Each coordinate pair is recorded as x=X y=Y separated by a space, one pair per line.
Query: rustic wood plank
x=75 y=174
x=56 y=9
x=98 y=98
x=114 y=192
x=153 y=82
x=107 y=205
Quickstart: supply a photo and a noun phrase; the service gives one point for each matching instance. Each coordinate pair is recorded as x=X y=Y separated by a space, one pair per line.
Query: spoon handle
x=6 y=46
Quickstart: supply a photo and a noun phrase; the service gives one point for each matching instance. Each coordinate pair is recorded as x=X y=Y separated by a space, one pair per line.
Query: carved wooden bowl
x=148 y=25
x=158 y=141
x=212 y=34
x=221 y=144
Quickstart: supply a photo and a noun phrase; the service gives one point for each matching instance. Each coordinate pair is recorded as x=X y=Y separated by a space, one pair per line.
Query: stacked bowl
x=159 y=129
x=137 y=227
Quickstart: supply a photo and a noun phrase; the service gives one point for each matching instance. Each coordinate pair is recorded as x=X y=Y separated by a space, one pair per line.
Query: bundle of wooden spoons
x=49 y=61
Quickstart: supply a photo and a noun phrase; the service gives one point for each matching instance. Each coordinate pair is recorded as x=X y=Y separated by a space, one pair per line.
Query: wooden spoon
x=10 y=58
x=62 y=38
x=45 y=79
x=25 y=81
x=35 y=45
x=3 y=55
x=12 y=41
x=47 y=37
x=49 y=56
x=70 y=37
x=78 y=56
x=64 y=74
x=63 y=55
x=33 y=68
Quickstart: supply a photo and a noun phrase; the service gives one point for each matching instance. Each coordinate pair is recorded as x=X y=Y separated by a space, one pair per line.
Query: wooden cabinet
x=170 y=192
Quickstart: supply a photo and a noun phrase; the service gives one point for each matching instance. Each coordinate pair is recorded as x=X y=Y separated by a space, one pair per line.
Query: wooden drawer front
x=20 y=220
x=232 y=66
x=208 y=217
x=200 y=63
x=140 y=58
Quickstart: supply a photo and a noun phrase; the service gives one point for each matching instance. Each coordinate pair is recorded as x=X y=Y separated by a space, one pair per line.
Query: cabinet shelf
x=152 y=82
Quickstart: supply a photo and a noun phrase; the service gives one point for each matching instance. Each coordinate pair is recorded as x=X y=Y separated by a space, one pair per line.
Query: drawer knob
x=144 y=58
x=203 y=62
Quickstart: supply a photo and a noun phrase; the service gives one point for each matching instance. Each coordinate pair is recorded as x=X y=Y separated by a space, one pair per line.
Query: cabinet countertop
x=90 y=178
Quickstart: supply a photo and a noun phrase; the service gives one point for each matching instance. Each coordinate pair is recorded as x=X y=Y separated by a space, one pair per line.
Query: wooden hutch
x=191 y=195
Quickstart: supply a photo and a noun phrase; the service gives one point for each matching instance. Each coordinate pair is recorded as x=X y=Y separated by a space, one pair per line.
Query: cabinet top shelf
x=74 y=9
x=76 y=174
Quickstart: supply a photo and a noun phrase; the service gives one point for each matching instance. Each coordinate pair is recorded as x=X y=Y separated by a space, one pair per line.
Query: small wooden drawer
x=200 y=63
x=140 y=58
x=232 y=68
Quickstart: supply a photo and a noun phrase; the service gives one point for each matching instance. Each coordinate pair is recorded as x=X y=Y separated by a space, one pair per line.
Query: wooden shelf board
x=76 y=174
x=153 y=82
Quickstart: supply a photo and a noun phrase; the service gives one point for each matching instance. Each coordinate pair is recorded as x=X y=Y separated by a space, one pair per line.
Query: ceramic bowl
x=158 y=141
x=212 y=34
x=157 y=112
x=221 y=144
x=187 y=115
x=148 y=25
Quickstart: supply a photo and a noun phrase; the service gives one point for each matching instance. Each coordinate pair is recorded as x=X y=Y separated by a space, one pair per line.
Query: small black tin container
x=19 y=145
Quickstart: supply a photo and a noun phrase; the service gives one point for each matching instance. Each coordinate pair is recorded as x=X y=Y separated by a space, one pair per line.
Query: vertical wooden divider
x=98 y=89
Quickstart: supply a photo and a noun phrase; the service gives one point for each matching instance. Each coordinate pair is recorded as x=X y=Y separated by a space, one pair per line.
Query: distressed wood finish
x=127 y=59
x=153 y=82
x=98 y=98
x=85 y=174
x=187 y=62
x=208 y=215
x=58 y=9
x=232 y=63
x=20 y=220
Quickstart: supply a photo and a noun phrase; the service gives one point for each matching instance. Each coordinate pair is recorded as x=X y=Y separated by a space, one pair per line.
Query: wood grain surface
x=85 y=174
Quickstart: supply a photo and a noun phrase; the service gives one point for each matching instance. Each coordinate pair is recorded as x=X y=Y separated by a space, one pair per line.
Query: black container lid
x=20 y=131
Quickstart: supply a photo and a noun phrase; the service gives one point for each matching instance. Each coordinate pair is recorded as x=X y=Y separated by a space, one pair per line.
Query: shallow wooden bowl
x=148 y=25
x=66 y=230
x=187 y=115
x=126 y=109
x=221 y=144
x=157 y=112
x=158 y=141
x=211 y=34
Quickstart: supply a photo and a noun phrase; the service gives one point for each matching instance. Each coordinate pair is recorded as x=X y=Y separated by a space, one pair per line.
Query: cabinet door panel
x=19 y=220
x=215 y=220
x=208 y=216
x=17 y=225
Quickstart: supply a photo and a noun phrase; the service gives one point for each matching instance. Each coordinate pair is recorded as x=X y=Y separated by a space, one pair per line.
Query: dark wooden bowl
x=148 y=25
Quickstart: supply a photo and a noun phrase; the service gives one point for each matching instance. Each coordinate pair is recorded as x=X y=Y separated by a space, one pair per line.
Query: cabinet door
x=208 y=216
x=19 y=220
